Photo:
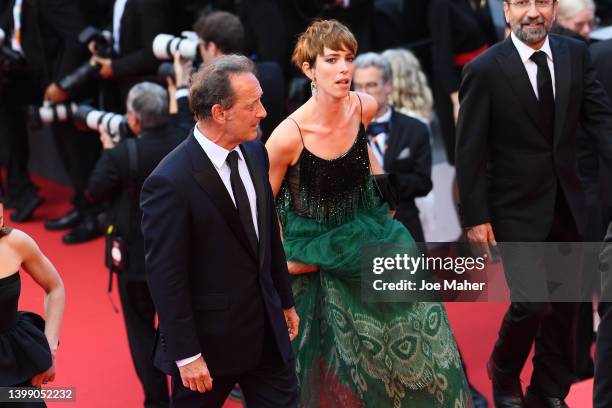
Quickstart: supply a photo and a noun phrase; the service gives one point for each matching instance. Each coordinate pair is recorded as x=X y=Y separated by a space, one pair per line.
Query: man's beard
x=530 y=36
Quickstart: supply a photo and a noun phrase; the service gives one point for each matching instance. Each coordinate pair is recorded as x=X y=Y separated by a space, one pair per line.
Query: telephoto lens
x=166 y=45
x=50 y=113
x=87 y=117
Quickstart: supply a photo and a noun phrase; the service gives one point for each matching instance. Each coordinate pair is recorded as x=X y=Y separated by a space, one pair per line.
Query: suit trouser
x=271 y=384
x=551 y=325
x=139 y=317
x=15 y=97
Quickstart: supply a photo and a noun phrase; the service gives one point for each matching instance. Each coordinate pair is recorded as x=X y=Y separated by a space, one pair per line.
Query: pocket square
x=403 y=154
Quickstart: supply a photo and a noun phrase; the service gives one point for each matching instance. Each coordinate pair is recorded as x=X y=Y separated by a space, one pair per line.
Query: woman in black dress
x=28 y=343
x=460 y=31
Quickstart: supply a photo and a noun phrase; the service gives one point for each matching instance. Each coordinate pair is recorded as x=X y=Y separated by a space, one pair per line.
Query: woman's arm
x=36 y=264
x=283 y=146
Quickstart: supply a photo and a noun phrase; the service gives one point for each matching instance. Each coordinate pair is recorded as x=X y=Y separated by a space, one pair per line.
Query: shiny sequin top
x=330 y=191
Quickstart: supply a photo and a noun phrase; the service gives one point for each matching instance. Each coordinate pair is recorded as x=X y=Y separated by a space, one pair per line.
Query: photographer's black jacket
x=110 y=182
x=49 y=30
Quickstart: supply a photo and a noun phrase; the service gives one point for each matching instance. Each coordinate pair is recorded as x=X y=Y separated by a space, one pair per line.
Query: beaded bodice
x=330 y=191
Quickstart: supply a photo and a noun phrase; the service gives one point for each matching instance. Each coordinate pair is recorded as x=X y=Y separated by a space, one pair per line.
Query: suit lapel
x=562 y=63
x=512 y=66
x=206 y=175
x=255 y=169
x=391 y=138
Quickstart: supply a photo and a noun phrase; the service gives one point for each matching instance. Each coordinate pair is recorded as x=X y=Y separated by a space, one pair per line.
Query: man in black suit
x=399 y=142
x=44 y=34
x=135 y=23
x=521 y=103
x=222 y=33
x=602 y=59
x=214 y=259
x=118 y=178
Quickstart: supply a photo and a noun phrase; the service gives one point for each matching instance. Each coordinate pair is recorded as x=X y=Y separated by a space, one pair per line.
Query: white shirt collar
x=216 y=153
x=526 y=51
x=386 y=117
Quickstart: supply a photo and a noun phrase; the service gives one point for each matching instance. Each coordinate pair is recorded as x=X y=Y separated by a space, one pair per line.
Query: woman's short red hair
x=320 y=34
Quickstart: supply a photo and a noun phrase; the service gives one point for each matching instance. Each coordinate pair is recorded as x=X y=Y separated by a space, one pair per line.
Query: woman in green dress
x=349 y=353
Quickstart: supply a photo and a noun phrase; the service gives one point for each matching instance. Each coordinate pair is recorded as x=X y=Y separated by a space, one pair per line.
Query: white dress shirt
x=118 y=10
x=218 y=157
x=525 y=53
x=381 y=138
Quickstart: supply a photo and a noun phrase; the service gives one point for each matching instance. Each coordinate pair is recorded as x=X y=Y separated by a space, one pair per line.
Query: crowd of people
x=297 y=133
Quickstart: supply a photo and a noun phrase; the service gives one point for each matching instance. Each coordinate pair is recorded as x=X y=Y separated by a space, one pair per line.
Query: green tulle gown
x=351 y=353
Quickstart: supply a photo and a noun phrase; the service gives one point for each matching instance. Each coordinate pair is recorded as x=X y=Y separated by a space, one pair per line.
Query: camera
x=166 y=45
x=89 y=118
x=103 y=45
x=50 y=113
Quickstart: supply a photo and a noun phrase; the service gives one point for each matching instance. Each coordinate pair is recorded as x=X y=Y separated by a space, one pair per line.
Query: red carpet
x=94 y=358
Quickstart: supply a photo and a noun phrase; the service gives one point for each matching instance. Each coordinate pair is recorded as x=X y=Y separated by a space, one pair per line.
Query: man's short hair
x=223 y=28
x=372 y=59
x=149 y=102
x=211 y=85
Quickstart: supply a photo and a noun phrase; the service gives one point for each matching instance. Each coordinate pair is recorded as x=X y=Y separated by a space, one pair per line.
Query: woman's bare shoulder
x=366 y=106
x=21 y=242
x=286 y=138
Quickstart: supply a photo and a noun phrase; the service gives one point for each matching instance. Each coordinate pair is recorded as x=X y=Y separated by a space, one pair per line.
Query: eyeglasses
x=592 y=24
x=523 y=4
x=368 y=86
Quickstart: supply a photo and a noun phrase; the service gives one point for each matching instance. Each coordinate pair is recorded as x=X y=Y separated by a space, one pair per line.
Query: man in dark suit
x=222 y=33
x=44 y=34
x=521 y=103
x=214 y=259
x=117 y=178
x=602 y=59
x=135 y=23
x=399 y=142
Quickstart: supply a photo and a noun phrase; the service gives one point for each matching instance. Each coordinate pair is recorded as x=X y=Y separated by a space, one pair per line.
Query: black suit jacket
x=507 y=169
x=210 y=290
x=50 y=30
x=141 y=21
x=110 y=181
x=408 y=156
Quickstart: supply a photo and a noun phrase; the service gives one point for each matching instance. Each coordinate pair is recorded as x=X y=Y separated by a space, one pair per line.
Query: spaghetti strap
x=299 y=130
x=360 y=107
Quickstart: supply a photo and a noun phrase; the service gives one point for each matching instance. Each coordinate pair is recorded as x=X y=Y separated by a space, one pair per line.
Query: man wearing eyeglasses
x=521 y=103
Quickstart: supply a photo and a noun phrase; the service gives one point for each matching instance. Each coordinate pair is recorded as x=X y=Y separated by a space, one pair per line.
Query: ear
x=308 y=70
x=388 y=86
x=506 y=11
x=219 y=114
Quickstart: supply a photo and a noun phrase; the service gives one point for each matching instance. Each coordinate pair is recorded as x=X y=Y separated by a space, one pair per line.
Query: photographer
x=41 y=40
x=222 y=33
x=118 y=178
x=134 y=25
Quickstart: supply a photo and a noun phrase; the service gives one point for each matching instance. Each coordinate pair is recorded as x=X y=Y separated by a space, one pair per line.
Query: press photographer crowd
x=502 y=103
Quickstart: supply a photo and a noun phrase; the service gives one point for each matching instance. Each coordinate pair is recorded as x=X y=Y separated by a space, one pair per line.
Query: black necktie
x=545 y=91
x=242 y=200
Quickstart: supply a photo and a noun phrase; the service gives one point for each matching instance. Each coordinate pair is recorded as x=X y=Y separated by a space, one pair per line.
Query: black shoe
x=86 y=231
x=507 y=391
x=26 y=207
x=69 y=220
x=534 y=400
x=478 y=399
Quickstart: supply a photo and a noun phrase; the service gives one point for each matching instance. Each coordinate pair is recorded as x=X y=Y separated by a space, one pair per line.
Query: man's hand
x=480 y=236
x=297 y=268
x=182 y=70
x=105 y=138
x=106 y=70
x=196 y=376
x=55 y=94
x=293 y=322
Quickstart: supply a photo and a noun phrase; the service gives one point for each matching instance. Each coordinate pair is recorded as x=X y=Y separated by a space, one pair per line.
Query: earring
x=313 y=86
